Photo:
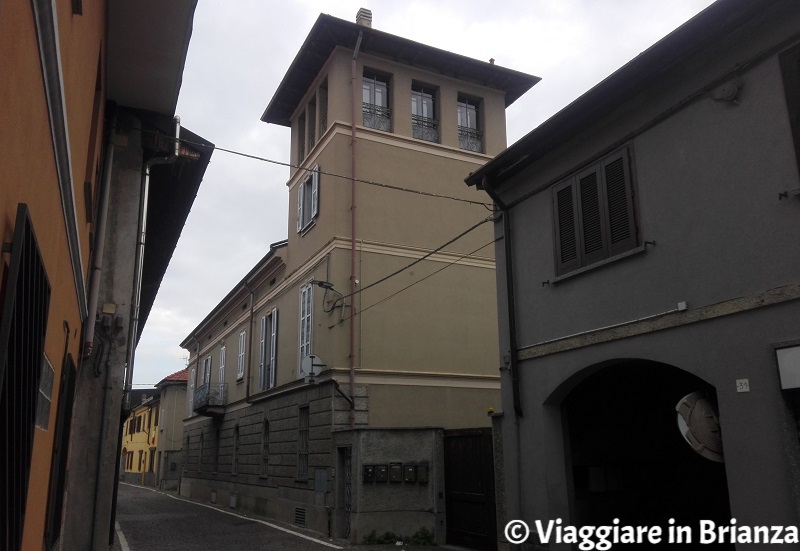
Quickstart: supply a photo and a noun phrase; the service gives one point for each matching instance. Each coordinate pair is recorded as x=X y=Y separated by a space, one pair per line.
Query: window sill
x=307 y=228
x=240 y=381
x=569 y=275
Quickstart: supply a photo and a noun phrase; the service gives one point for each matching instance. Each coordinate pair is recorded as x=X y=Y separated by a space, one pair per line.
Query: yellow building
x=139 y=461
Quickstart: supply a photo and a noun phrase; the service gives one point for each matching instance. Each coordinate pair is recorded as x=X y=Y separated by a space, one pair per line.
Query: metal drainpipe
x=353 y=66
x=510 y=299
x=133 y=326
x=100 y=235
x=512 y=334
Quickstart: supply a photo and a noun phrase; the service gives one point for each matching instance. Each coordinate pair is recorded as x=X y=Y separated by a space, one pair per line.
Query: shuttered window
x=594 y=213
x=308 y=199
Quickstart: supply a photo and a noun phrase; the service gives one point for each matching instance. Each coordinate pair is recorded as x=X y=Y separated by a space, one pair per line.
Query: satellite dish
x=310 y=366
x=698 y=422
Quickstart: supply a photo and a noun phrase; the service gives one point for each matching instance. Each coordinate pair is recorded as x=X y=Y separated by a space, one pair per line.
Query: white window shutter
x=273 y=344
x=314 y=191
x=300 y=187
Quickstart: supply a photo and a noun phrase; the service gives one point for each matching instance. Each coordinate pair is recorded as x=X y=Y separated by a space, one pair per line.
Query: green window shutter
x=566 y=227
x=619 y=198
x=590 y=216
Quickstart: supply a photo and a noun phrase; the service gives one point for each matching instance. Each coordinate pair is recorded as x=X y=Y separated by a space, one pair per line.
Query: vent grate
x=300 y=517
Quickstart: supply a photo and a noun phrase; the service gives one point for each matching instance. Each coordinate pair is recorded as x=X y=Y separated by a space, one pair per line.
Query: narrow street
x=148 y=520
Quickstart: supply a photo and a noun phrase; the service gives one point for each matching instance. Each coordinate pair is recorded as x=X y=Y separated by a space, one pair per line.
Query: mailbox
x=395 y=472
x=369 y=473
x=422 y=474
x=409 y=473
x=381 y=473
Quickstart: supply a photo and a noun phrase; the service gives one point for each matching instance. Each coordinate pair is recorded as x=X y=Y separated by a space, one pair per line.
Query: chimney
x=364 y=18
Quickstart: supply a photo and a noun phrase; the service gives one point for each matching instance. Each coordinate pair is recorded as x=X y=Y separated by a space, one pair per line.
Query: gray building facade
x=647 y=272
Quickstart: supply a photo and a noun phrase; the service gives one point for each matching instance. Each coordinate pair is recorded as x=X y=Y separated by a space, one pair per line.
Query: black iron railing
x=379 y=118
x=470 y=139
x=210 y=394
x=425 y=128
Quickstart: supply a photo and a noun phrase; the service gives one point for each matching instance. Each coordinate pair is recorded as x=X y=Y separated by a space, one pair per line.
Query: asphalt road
x=148 y=520
x=151 y=520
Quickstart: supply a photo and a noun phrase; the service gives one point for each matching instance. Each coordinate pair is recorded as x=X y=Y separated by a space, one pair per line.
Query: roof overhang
x=172 y=190
x=329 y=32
x=147 y=45
x=705 y=29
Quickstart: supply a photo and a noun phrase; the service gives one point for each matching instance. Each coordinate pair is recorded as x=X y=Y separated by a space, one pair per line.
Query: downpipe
x=133 y=325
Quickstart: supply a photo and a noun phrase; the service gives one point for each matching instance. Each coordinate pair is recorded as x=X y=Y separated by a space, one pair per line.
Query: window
x=301 y=139
x=268 y=350
x=191 y=392
x=306 y=310
x=302 y=443
x=312 y=123
x=323 y=108
x=375 y=97
x=222 y=353
x=206 y=374
x=469 y=128
x=594 y=214
x=25 y=298
x=265 y=448
x=308 y=199
x=424 y=125
x=242 y=349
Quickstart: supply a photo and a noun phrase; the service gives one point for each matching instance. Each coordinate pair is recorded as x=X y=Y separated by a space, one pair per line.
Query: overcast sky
x=240 y=51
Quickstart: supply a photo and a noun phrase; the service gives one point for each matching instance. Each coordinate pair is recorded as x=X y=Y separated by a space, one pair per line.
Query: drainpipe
x=512 y=334
x=510 y=300
x=100 y=235
x=352 y=356
x=133 y=326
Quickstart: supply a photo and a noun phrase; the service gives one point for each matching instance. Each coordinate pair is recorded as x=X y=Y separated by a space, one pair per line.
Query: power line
x=359 y=180
x=459 y=259
x=420 y=259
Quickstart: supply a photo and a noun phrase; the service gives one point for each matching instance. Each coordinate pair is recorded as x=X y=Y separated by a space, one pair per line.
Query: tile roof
x=178 y=377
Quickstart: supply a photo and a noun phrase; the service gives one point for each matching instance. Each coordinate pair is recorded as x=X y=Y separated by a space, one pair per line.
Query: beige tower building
x=343 y=384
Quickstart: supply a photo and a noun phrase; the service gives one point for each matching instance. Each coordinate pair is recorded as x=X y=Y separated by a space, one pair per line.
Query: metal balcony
x=210 y=398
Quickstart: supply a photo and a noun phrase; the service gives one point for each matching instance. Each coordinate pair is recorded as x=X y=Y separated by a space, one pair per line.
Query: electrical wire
x=420 y=280
x=420 y=259
x=488 y=206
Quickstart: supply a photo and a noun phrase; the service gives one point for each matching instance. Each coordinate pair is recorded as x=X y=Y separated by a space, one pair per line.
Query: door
x=469 y=489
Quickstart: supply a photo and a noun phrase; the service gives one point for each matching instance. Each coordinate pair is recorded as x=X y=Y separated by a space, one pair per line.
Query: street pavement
x=148 y=520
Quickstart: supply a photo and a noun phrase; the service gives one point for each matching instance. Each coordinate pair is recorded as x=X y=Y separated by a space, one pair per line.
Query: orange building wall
x=29 y=176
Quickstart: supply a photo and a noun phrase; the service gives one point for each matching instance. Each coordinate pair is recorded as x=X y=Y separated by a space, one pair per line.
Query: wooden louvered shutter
x=591 y=208
x=300 y=187
x=314 y=191
x=566 y=227
x=790 y=68
x=621 y=227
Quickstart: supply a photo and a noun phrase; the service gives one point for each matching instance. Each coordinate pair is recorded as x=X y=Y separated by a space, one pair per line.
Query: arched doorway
x=627 y=458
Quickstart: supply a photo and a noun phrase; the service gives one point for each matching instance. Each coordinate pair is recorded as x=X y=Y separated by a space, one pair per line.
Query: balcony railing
x=425 y=128
x=379 y=118
x=470 y=139
x=210 y=394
